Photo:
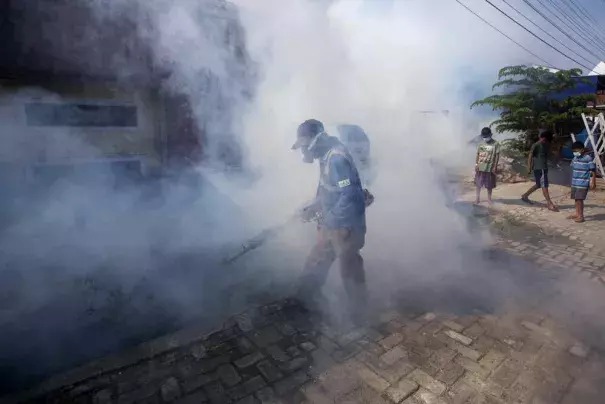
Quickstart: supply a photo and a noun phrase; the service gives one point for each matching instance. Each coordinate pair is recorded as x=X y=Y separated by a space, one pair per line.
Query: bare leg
x=489 y=196
x=580 y=210
x=525 y=196
x=477 y=195
x=550 y=204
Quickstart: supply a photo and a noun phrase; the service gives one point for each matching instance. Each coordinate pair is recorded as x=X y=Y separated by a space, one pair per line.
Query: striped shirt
x=581 y=171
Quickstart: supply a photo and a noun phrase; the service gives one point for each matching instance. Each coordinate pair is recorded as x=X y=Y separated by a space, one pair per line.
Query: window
x=81 y=115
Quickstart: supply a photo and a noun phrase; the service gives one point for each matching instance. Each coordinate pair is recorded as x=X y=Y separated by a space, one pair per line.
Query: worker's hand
x=368 y=197
x=309 y=212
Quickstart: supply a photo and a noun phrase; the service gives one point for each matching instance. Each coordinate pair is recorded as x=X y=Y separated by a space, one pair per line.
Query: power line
x=579 y=21
x=571 y=27
x=536 y=36
x=559 y=28
x=509 y=38
x=585 y=16
x=546 y=32
x=586 y=13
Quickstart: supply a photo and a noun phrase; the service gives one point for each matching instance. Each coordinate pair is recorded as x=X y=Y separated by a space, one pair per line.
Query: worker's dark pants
x=343 y=244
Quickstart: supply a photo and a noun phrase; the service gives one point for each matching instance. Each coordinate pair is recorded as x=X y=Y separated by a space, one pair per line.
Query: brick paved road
x=281 y=354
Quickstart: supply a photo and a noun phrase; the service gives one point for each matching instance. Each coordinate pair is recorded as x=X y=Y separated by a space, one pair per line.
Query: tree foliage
x=531 y=100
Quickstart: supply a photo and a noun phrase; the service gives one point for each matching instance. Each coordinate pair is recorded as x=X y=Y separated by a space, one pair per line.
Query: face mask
x=487 y=138
x=577 y=154
x=307 y=155
x=309 y=151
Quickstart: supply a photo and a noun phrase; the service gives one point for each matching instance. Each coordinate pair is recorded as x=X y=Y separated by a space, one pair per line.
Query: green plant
x=531 y=101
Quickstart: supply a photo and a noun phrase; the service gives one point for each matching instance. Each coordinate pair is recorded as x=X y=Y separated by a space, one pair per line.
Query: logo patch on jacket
x=344 y=183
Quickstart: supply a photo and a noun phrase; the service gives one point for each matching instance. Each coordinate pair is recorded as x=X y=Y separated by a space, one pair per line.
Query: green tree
x=528 y=101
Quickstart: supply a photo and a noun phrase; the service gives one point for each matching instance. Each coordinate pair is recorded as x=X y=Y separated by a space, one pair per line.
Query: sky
x=568 y=15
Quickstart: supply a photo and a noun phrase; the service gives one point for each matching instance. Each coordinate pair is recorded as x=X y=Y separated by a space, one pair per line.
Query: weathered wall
x=32 y=142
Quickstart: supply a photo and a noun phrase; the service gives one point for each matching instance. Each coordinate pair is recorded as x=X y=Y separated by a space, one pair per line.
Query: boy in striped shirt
x=583 y=177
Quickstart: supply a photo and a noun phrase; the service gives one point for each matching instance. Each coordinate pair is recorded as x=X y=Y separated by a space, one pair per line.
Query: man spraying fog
x=340 y=205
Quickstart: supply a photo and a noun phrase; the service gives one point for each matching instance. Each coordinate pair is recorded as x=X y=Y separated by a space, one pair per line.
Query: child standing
x=583 y=177
x=486 y=164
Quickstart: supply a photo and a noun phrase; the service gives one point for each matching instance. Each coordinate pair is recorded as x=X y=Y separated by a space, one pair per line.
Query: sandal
x=526 y=200
x=572 y=217
x=579 y=220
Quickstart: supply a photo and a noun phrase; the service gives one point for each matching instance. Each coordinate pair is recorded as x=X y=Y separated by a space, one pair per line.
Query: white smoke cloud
x=342 y=61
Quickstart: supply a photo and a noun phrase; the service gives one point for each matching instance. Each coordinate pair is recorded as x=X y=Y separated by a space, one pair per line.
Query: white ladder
x=598 y=145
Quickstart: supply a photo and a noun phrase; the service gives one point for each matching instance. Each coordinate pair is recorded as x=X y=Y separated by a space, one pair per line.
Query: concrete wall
x=31 y=143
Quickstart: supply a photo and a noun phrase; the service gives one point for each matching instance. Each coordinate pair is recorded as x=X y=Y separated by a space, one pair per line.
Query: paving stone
x=308 y=346
x=473 y=366
x=171 y=390
x=244 y=322
x=458 y=337
x=506 y=375
x=371 y=347
x=198 y=397
x=428 y=317
x=364 y=395
x=450 y=373
x=244 y=346
x=492 y=360
x=320 y=362
x=195 y=382
x=351 y=336
x=249 y=360
x=441 y=357
x=228 y=375
x=316 y=394
x=401 y=390
x=453 y=325
x=269 y=371
x=247 y=388
x=198 y=351
x=294 y=364
x=216 y=393
x=248 y=400
x=466 y=351
x=426 y=381
x=427 y=397
x=431 y=328
x=372 y=379
x=266 y=336
x=327 y=344
x=391 y=373
x=537 y=329
x=267 y=396
x=579 y=350
x=293 y=351
x=208 y=365
x=286 y=329
x=394 y=355
x=278 y=354
x=290 y=383
x=338 y=381
x=143 y=393
x=461 y=393
x=391 y=341
x=102 y=397
x=346 y=353
x=483 y=386
x=390 y=316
